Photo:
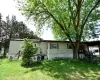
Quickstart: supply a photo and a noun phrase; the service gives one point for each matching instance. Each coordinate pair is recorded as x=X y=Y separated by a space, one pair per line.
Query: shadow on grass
x=32 y=65
x=3 y=57
x=68 y=69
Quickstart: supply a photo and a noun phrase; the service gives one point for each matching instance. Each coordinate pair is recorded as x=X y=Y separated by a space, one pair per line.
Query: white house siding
x=61 y=52
x=43 y=47
x=37 y=45
x=16 y=45
x=14 y=48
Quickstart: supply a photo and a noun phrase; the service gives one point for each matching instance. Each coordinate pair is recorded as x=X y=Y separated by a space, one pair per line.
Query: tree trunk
x=76 y=49
x=4 y=54
x=10 y=36
x=4 y=46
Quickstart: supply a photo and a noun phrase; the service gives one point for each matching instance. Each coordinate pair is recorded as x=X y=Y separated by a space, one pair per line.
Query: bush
x=27 y=51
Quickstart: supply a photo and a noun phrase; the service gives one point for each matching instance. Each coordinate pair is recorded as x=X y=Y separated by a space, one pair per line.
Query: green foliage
x=67 y=18
x=68 y=14
x=50 y=70
x=18 y=29
x=27 y=52
x=11 y=28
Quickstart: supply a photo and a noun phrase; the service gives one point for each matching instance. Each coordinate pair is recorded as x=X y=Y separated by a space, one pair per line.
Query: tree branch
x=82 y=27
x=60 y=25
x=75 y=3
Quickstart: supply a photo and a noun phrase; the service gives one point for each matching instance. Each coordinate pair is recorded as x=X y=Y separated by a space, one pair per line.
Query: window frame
x=51 y=46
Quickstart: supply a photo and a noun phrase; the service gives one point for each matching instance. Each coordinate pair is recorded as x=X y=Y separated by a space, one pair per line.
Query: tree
x=0 y=23
x=27 y=52
x=70 y=17
x=13 y=29
x=18 y=29
x=0 y=28
x=90 y=31
x=94 y=31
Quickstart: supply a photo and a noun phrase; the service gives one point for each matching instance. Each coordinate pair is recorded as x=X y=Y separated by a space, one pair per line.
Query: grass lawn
x=50 y=70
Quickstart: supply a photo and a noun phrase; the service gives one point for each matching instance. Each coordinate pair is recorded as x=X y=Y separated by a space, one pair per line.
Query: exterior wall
x=38 y=45
x=43 y=47
x=92 y=48
x=61 y=52
x=16 y=45
x=14 y=48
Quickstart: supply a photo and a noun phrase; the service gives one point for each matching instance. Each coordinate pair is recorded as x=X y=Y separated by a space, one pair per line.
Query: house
x=49 y=49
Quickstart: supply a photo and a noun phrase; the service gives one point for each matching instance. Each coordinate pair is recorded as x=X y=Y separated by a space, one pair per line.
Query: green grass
x=50 y=70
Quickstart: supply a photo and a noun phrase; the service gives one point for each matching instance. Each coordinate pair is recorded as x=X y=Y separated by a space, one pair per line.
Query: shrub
x=27 y=51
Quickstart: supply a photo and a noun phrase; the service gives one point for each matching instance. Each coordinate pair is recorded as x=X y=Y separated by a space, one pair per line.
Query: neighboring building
x=49 y=49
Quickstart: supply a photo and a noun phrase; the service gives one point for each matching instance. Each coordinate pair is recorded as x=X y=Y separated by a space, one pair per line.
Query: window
x=35 y=45
x=54 y=46
x=69 y=46
x=96 y=50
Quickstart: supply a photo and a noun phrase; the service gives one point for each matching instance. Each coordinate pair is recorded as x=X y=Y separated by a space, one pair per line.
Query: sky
x=8 y=7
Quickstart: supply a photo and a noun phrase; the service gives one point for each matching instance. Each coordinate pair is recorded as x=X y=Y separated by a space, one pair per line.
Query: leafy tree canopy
x=13 y=29
x=67 y=13
x=67 y=18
